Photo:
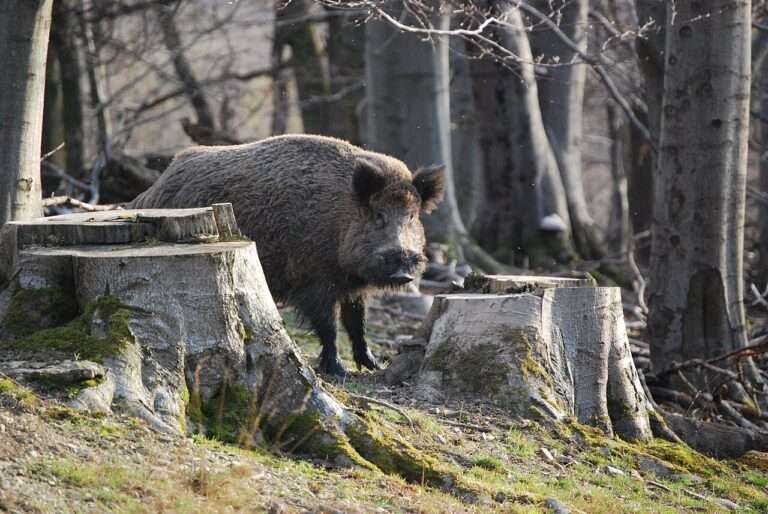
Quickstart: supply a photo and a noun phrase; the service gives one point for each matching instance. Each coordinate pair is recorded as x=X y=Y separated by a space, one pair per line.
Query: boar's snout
x=398 y=266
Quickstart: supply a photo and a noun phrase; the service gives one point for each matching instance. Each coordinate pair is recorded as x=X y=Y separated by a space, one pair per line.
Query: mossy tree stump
x=553 y=349
x=174 y=305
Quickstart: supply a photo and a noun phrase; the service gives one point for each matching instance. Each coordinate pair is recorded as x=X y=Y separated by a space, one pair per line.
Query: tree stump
x=553 y=349
x=167 y=316
x=174 y=324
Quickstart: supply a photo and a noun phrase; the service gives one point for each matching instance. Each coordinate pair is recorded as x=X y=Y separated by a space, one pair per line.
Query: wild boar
x=331 y=221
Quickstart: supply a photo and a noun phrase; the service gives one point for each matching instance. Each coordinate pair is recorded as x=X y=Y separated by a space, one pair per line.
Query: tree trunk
x=63 y=41
x=650 y=52
x=561 y=96
x=760 y=69
x=408 y=106
x=696 y=291
x=166 y=12
x=24 y=29
x=97 y=76
x=53 y=129
x=465 y=145
x=619 y=233
x=346 y=66
x=522 y=181
x=555 y=349
x=294 y=28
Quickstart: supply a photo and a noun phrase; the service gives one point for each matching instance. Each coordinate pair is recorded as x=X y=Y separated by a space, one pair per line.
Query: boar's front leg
x=322 y=316
x=353 y=318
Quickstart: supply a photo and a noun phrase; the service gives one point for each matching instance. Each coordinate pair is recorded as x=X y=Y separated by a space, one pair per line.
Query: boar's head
x=384 y=244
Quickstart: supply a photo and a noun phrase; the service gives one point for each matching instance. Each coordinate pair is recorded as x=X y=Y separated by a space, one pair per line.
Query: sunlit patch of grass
x=520 y=445
x=489 y=462
x=17 y=394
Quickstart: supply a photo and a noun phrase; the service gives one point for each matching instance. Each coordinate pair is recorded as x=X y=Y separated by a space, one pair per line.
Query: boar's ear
x=368 y=179
x=430 y=183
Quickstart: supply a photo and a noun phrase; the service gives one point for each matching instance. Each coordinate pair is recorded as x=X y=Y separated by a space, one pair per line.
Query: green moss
x=229 y=413
x=18 y=394
x=195 y=408
x=72 y=389
x=684 y=457
x=31 y=309
x=74 y=337
x=395 y=456
x=489 y=462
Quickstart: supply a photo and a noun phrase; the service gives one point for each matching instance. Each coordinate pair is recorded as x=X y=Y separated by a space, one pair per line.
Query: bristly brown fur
x=295 y=197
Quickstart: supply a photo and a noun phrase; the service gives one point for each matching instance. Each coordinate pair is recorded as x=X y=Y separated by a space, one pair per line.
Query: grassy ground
x=55 y=460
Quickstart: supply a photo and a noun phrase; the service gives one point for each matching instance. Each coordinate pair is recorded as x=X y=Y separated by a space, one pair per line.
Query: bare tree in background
x=561 y=96
x=465 y=142
x=346 y=67
x=650 y=52
x=64 y=43
x=294 y=29
x=522 y=181
x=696 y=294
x=24 y=30
x=408 y=105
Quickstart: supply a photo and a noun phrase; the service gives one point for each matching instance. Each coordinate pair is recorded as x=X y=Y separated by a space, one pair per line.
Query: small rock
x=547 y=455
x=616 y=472
x=556 y=506
x=728 y=504
x=655 y=466
x=687 y=477
x=500 y=497
x=64 y=372
x=440 y=439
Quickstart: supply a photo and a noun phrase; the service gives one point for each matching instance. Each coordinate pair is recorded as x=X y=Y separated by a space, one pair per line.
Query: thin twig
x=48 y=154
x=388 y=405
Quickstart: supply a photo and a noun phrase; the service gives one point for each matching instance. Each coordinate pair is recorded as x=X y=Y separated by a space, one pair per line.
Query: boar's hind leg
x=353 y=317
x=322 y=316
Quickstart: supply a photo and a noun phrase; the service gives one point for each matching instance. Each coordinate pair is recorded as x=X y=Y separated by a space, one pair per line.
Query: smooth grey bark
x=561 y=96
x=522 y=183
x=407 y=88
x=465 y=147
x=24 y=30
x=696 y=291
x=166 y=12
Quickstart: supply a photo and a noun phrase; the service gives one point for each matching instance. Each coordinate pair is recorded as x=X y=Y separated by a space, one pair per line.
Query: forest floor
x=53 y=459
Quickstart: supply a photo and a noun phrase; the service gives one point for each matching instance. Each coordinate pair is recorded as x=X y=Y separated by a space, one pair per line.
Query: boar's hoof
x=331 y=366
x=367 y=360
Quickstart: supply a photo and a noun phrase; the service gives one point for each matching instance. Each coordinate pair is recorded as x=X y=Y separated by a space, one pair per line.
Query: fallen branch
x=757 y=346
x=59 y=201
